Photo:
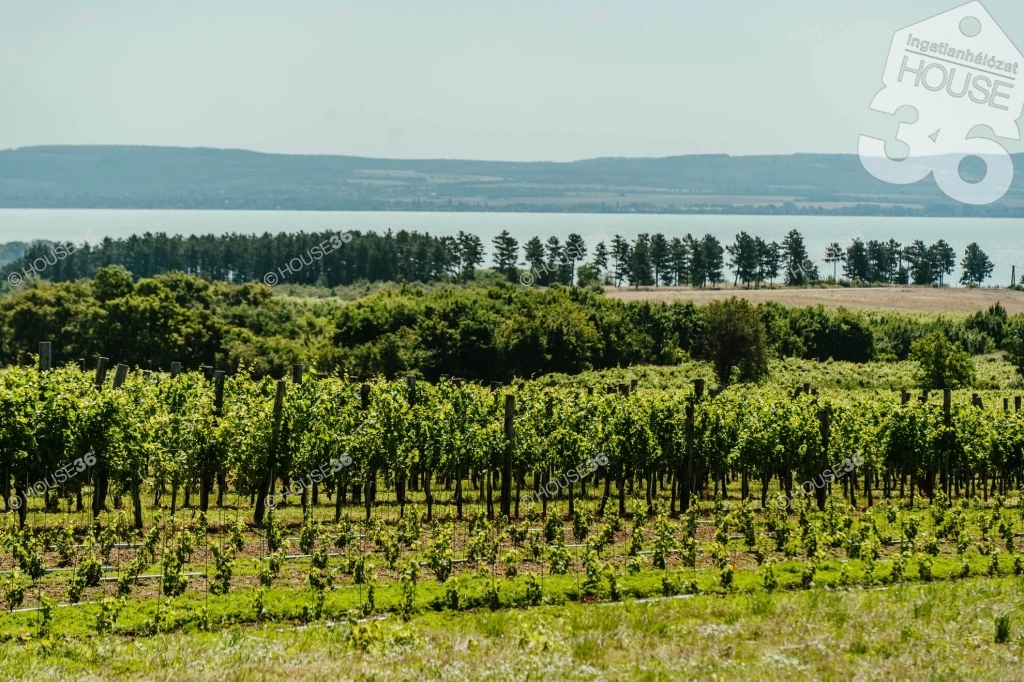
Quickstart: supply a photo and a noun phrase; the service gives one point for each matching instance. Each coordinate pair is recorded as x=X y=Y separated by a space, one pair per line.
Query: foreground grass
x=939 y=631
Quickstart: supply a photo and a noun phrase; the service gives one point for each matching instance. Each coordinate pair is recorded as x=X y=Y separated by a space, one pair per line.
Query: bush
x=735 y=341
x=941 y=363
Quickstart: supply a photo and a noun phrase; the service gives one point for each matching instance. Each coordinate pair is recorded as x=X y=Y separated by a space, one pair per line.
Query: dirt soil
x=882 y=298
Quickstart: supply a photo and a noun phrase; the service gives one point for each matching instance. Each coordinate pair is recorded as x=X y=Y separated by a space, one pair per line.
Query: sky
x=522 y=81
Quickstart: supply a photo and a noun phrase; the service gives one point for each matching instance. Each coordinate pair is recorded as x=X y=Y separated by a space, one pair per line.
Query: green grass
x=940 y=631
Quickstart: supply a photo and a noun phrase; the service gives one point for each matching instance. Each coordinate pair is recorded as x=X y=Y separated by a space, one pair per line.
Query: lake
x=1001 y=239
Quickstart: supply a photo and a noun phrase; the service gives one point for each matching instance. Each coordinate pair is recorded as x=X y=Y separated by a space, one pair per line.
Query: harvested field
x=927 y=299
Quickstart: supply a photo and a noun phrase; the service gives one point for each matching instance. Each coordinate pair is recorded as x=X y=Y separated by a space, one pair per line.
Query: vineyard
x=147 y=502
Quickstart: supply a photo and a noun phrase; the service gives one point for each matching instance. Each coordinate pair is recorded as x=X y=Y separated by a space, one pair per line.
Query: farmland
x=424 y=523
x=922 y=299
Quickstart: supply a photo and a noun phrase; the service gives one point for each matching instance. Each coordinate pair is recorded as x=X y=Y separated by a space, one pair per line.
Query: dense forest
x=333 y=259
x=477 y=332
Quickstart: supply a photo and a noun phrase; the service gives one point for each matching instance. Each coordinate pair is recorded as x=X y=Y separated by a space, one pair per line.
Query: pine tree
x=661 y=259
x=713 y=256
x=620 y=253
x=770 y=259
x=506 y=254
x=640 y=268
x=743 y=258
x=680 y=255
x=834 y=255
x=533 y=251
x=575 y=249
x=794 y=258
x=558 y=263
x=976 y=265
x=698 y=271
x=942 y=258
x=600 y=259
x=856 y=265
x=920 y=263
x=471 y=254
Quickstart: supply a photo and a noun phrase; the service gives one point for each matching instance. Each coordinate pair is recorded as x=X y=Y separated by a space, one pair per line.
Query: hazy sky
x=522 y=80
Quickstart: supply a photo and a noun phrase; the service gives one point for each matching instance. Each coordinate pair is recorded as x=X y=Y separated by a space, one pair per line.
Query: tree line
x=486 y=333
x=647 y=260
x=890 y=262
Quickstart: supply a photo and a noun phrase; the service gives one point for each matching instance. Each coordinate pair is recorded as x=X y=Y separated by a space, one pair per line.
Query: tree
x=575 y=249
x=712 y=259
x=834 y=255
x=743 y=258
x=679 y=255
x=506 y=254
x=856 y=265
x=770 y=260
x=112 y=282
x=941 y=363
x=640 y=266
x=471 y=253
x=881 y=261
x=976 y=265
x=895 y=261
x=695 y=260
x=1013 y=344
x=600 y=258
x=735 y=341
x=942 y=258
x=534 y=252
x=558 y=263
x=620 y=254
x=921 y=271
x=794 y=258
x=661 y=259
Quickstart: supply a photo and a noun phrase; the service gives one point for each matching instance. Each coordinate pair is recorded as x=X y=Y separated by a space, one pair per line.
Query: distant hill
x=178 y=178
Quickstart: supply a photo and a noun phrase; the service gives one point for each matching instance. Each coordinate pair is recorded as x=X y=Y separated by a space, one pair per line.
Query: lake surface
x=1001 y=239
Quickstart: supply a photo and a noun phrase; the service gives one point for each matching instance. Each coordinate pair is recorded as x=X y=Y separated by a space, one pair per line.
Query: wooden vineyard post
x=370 y=486
x=824 y=419
x=120 y=375
x=624 y=473
x=944 y=476
x=297 y=373
x=688 y=482
x=175 y=369
x=99 y=474
x=506 y=470
x=208 y=468
x=271 y=472
x=101 y=372
x=44 y=357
